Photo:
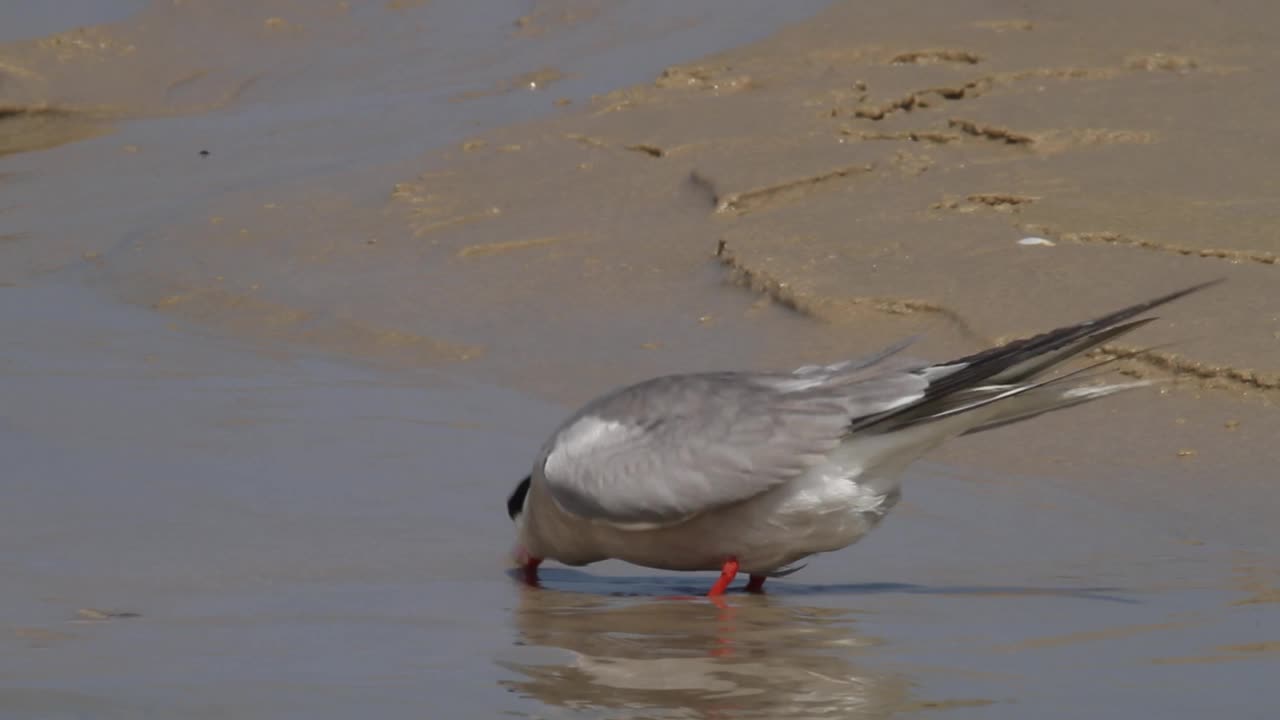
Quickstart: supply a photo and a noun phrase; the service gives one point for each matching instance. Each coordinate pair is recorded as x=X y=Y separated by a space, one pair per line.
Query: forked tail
x=1005 y=384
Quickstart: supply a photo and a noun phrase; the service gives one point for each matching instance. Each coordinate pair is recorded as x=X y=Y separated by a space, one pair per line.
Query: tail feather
x=974 y=369
x=1020 y=398
x=1049 y=398
x=1004 y=379
x=1035 y=365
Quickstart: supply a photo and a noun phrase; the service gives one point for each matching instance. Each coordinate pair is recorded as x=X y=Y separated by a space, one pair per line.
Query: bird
x=752 y=472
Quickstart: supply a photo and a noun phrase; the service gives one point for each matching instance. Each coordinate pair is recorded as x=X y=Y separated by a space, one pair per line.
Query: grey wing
x=662 y=451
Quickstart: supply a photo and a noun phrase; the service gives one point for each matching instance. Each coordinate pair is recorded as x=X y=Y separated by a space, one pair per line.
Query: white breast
x=828 y=508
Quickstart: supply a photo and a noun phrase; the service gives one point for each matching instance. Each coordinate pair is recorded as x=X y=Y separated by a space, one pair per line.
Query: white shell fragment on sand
x=1036 y=241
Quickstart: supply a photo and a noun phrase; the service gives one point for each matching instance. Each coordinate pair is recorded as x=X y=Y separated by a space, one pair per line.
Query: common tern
x=753 y=471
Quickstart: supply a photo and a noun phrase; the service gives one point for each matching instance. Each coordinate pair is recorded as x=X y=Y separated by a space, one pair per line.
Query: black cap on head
x=515 y=503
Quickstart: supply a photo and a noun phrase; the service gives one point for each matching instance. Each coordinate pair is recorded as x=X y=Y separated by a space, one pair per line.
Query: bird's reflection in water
x=749 y=657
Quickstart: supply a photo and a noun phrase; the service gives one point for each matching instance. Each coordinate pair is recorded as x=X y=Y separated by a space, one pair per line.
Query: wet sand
x=294 y=293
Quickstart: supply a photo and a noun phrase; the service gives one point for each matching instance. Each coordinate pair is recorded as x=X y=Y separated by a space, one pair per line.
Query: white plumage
x=755 y=471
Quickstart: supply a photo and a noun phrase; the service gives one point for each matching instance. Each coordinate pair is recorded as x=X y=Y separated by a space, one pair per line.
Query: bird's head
x=515 y=510
x=515 y=503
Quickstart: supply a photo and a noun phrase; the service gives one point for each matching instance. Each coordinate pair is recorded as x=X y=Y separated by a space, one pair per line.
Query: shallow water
x=199 y=522
x=302 y=537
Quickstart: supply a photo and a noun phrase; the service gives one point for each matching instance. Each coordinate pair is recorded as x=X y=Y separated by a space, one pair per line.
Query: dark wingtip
x=1142 y=307
x=1135 y=310
x=990 y=362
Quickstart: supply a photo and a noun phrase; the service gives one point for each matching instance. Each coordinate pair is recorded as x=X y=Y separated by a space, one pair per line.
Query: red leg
x=531 y=570
x=756 y=584
x=727 y=573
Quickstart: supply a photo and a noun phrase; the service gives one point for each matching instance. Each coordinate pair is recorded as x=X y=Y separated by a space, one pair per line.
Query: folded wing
x=664 y=450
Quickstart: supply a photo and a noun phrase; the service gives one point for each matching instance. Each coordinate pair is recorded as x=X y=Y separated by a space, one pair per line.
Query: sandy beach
x=294 y=291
